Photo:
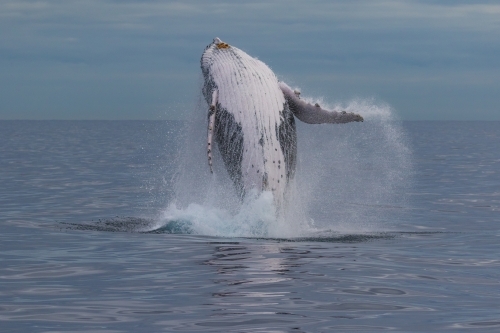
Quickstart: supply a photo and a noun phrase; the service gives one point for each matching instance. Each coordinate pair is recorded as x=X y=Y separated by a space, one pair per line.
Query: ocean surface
x=118 y=226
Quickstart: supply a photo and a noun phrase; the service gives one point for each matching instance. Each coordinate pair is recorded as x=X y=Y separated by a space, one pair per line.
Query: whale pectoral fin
x=211 y=127
x=314 y=114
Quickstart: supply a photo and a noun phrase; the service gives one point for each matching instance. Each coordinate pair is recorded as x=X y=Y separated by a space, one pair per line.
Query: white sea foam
x=255 y=218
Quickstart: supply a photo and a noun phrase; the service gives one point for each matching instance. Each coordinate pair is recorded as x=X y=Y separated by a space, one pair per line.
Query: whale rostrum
x=251 y=115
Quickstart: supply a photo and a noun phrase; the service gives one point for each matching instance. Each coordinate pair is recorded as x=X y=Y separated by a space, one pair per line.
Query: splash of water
x=356 y=175
x=350 y=178
x=256 y=218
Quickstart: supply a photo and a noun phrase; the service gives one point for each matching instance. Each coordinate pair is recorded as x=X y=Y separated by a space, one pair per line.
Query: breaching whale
x=251 y=115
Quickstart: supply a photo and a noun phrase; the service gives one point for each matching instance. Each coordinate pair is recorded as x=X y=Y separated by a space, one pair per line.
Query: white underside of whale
x=249 y=90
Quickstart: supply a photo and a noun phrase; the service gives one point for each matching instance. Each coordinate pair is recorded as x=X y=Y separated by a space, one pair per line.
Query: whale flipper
x=211 y=125
x=314 y=114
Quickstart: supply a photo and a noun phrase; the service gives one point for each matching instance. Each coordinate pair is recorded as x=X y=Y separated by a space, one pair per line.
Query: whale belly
x=254 y=128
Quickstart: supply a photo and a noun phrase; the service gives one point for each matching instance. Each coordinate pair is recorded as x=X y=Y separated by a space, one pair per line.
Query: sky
x=127 y=59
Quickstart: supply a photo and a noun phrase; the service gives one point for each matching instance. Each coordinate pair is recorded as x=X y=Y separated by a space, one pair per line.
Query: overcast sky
x=127 y=59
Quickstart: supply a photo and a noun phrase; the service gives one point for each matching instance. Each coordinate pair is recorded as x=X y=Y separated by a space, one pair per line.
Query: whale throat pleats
x=254 y=127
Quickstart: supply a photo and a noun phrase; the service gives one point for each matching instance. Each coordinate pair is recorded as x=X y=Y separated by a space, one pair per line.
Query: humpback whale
x=252 y=115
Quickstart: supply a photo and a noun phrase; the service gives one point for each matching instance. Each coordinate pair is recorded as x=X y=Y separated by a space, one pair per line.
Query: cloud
x=140 y=46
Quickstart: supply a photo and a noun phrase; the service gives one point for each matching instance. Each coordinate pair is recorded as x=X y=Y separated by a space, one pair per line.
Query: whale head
x=212 y=54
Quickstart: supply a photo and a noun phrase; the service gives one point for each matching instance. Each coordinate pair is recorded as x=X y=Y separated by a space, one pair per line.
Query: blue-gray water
x=405 y=235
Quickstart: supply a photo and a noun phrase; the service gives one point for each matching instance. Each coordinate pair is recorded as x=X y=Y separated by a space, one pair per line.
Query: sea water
x=118 y=226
